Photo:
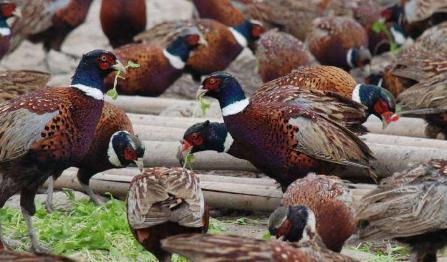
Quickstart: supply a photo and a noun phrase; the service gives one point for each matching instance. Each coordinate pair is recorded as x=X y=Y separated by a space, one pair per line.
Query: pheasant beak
x=389 y=117
x=201 y=92
x=119 y=66
x=140 y=163
x=202 y=41
x=183 y=150
x=17 y=13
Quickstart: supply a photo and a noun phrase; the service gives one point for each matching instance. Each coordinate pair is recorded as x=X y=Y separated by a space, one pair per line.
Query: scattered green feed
x=85 y=232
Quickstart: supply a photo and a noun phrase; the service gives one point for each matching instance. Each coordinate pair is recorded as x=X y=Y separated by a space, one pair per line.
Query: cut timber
x=405 y=126
x=257 y=194
x=404 y=141
x=179 y=122
x=390 y=158
x=159 y=153
x=174 y=134
x=156 y=105
x=159 y=133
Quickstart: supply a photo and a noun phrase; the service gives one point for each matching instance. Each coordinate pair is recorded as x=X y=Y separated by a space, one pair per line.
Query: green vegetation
x=387 y=253
x=85 y=232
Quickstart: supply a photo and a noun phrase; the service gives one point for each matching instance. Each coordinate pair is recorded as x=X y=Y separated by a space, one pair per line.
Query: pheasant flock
x=341 y=87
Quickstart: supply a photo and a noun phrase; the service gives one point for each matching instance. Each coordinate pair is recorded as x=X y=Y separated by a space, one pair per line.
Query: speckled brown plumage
x=286 y=140
x=331 y=201
x=221 y=49
x=219 y=10
x=331 y=38
x=422 y=60
x=294 y=17
x=209 y=248
x=164 y=202
x=279 y=53
x=324 y=78
x=121 y=20
x=15 y=83
x=409 y=207
x=48 y=21
x=10 y=256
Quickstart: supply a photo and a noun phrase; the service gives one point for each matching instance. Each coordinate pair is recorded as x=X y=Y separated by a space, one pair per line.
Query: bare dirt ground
x=89 y=36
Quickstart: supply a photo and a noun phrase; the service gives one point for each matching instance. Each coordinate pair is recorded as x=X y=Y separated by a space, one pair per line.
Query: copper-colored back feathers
x=16 y=83
x=324 y=78
x=279 y=53
x=330 y=200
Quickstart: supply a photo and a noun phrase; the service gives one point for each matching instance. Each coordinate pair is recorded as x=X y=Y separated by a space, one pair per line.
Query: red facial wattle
x=130 y=155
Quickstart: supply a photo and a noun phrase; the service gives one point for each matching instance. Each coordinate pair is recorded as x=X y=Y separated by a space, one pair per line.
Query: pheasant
x=49 y=130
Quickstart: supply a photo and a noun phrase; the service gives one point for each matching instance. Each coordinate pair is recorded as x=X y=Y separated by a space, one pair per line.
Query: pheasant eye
x=196 y=139
x=103 y=58
x=212 y=83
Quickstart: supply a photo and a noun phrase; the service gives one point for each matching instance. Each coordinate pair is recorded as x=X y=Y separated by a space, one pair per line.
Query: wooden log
x=159 y=133
x=155 y=105
x=159 y=153
x=404 y=141
x=406 y=126
x=390 y=158
x=179 y=122
x=219 y=192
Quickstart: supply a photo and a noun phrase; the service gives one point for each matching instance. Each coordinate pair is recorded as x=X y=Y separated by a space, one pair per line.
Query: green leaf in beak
x=189 y=160
x=112 y=92
x=203 y=104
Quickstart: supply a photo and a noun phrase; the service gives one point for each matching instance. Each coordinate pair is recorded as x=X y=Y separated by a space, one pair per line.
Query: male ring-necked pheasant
x=164 y=202
x=279 y=138
x=49 y=130
x=224 y=43
x=159 y=66
x=114 y=146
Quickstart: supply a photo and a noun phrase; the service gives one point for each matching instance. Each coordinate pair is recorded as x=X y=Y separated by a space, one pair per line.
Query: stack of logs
x=161 y=122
